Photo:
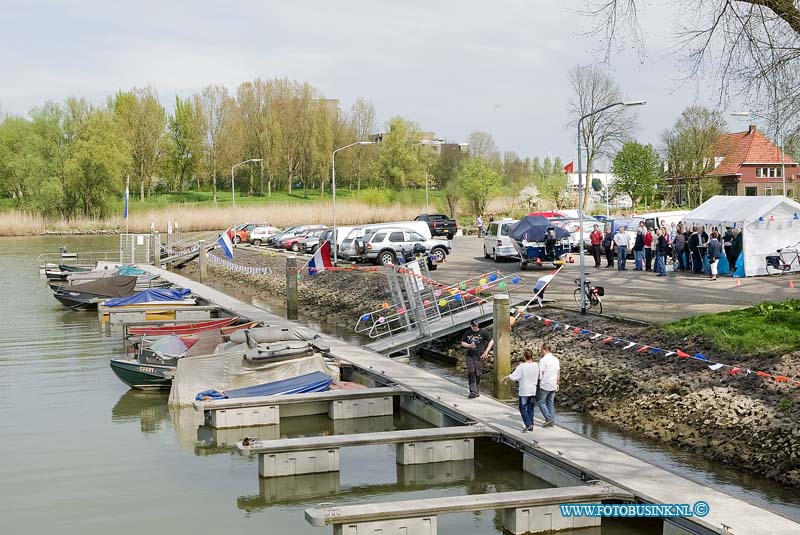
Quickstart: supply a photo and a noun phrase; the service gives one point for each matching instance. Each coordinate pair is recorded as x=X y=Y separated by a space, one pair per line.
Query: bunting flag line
x=644 y=348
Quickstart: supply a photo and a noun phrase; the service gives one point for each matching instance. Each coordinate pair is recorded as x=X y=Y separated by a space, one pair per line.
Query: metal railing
x=89 y=257
x=247 y=270
x=421 y=302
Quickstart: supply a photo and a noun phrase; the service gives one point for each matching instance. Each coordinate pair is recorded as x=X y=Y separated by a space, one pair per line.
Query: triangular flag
x=576 y=330
x=734 y=371
x=700 y=356
x=781 y=378
x=716 y=366
x=630 y=345
x=682 y=355
x=596 y=336
x=586 y=331
x=556 y=325
x=547 y=322
x=642 y=349
x=608 y=340
x=763 y=374
x=656 y=351
x=669 y=353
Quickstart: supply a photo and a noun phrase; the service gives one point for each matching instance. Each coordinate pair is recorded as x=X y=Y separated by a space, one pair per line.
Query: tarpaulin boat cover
x=170 y=346
x=116 y=286
x=229 y=371
x=310 y=382
x=130 y=271
x=151 y=296
x=273 y=334
x=534 y=228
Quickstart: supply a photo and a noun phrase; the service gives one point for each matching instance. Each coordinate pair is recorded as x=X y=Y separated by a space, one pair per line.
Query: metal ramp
x=425 y=309
x=185 y=250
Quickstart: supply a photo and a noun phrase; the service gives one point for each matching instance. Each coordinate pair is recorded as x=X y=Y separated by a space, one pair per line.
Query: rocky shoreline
x=742 y=421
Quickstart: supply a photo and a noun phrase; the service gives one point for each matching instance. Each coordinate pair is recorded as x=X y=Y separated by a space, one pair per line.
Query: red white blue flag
x=226 y=243
x=321 y=259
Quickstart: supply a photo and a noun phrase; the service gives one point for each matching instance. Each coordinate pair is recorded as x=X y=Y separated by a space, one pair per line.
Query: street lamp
x=335 y=243
x=233 y=185
x=779 y=132
x=580 y=194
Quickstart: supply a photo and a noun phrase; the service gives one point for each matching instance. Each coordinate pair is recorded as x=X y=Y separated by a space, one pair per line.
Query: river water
x=83 y=454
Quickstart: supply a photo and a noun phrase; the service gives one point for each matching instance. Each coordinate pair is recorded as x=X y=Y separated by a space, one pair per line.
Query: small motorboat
x=310 y=382
x=88 y=295
x=186 y=328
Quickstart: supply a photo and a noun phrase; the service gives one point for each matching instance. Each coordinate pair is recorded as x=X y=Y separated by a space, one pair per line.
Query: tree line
x=74 y=158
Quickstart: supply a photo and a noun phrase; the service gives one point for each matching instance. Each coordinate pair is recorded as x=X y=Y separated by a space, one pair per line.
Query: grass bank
x=769 y=327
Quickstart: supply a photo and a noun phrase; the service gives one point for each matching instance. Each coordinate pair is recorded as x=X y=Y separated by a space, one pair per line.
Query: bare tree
x=751 y=47
x=482 y=145
x=603 y=132
x=215 y=105
x=362 y=124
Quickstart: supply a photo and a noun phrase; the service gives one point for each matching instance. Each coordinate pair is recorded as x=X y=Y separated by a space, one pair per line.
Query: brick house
x=749 y=164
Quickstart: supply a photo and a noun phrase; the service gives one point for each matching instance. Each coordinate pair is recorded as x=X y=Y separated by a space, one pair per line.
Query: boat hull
x=78 y=301
x=142 y=376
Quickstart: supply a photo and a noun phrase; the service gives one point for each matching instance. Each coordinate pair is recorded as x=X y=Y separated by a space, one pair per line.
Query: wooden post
x=203 y=259
x=156 y=252
x=291 y=287
x=502 y=345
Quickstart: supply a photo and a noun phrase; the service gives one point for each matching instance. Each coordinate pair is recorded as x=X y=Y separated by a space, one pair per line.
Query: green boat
x=143 y=376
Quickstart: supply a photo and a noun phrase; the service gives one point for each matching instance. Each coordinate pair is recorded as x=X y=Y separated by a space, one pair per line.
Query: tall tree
x=482 y=145
x=362 y=123
x=638 y=171
x=398 y=165
x=687 y=149
x=142 y=120
x=215 y=106
x=593 y=88
x=186 y=132
x=444 y=173
x=98 y=158
x=479 y=182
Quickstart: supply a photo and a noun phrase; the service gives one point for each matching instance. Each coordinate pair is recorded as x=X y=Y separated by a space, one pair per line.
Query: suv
x=242 y=232
x=384 y=245
x=259 y=235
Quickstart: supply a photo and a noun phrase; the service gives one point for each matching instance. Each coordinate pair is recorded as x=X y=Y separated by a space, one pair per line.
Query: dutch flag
x=226 y=243
x=321 y=259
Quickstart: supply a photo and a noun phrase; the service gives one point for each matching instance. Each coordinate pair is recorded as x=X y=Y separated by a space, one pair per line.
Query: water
x=83 y=454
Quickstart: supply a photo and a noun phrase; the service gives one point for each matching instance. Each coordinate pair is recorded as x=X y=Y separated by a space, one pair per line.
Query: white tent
x=767 y=224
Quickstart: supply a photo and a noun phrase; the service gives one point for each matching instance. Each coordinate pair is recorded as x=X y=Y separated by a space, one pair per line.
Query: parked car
x=290 y=232
x=341 y=234
x=548 y=215
x=439 y=224
x=384 y=245
x=242 y=232
x=285 y=232
x=259 y=235
x=497 y=242
x=572 y=224
x=295 y=234
x=657 y=219
x=347 y=247
x=293 y=243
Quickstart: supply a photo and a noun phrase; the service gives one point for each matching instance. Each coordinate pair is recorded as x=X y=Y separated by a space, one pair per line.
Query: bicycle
x=593 y=295
x=778 y=265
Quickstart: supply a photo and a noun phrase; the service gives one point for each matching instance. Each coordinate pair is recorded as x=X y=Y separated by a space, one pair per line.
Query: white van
x=497 y=242
x=347 y=248
x=656 y=220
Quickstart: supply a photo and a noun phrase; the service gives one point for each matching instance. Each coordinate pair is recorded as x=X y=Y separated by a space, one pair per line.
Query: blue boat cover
x=151 y=296
x=534 y=228
x=310 y=382
x=130 y=271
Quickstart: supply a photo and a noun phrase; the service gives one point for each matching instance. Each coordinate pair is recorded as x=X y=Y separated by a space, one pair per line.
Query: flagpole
x=127 y=202
x=301 y=268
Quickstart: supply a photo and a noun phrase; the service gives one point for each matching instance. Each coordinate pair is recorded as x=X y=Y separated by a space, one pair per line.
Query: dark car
x=440 y=224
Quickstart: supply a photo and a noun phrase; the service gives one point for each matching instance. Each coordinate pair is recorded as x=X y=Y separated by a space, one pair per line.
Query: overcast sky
x=451 y=66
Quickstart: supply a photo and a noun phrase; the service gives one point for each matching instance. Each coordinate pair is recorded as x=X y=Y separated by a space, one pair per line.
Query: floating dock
x=556 y=455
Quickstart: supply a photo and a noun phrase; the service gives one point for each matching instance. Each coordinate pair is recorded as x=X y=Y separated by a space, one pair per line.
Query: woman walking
x=527 y=375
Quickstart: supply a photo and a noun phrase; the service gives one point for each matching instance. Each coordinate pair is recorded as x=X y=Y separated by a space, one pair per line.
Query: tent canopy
x=727 y=210
x=766 y=223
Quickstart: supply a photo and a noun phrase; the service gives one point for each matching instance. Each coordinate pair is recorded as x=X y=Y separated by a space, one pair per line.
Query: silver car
x=384 y=245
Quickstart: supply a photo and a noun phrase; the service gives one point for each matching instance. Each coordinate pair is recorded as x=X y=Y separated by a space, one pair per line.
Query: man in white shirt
x=549 y=378
x=527 y=375
x=621 y=241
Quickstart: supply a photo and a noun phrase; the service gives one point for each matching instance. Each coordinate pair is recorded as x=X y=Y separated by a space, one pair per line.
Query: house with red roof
x=749 y=164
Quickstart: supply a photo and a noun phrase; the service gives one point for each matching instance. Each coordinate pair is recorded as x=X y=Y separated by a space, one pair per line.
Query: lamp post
x=779 y=132
x=335 y=243
x=233 y=185
x=582 y=260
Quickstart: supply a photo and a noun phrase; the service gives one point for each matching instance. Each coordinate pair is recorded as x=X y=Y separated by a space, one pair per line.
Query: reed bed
x=201 y=218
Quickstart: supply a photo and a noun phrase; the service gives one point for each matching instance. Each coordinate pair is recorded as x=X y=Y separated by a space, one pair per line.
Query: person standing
x=549 y=379
x=736 y=249
x=727 y=241
x=661 y=253
x=694 y=248
x=648 y=249
x=527 y=375
x=478 y=344
x=714 y=253
x=608 y=244
x=677 y=247
x=596 y=239
x=621 y=243
x=638 y=251
x=479 y=223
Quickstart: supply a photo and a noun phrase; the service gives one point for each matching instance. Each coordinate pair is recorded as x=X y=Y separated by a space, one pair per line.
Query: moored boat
x=185 y=328
x=86 y=296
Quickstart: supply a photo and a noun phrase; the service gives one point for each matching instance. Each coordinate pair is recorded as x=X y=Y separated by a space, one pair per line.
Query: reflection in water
x=150 y=408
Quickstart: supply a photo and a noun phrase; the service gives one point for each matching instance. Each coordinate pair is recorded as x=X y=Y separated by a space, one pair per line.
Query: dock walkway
x=647 y=482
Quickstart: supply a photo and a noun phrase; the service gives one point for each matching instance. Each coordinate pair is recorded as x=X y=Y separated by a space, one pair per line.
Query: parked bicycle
x=787 y=260
x=593 y=295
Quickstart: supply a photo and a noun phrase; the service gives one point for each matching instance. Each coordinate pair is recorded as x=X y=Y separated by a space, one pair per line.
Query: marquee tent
x=767 y=224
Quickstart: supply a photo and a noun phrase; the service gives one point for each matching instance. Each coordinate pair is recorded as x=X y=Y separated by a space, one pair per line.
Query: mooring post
x=203 y=259
x=156 y=260
x=502 y=345
x=291 y=287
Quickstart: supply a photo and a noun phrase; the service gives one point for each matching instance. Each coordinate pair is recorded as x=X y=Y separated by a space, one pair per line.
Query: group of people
x=538 y=381
x=479 y=223
x=685 y=246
